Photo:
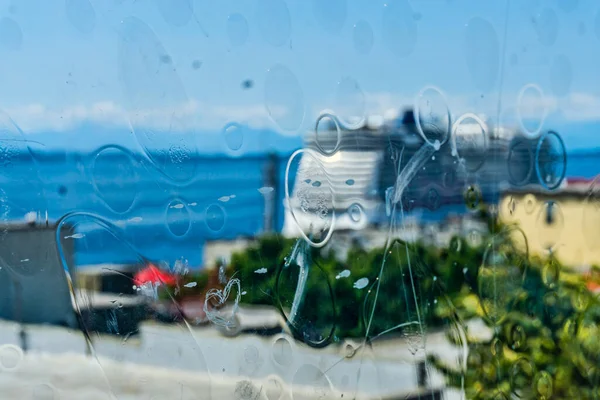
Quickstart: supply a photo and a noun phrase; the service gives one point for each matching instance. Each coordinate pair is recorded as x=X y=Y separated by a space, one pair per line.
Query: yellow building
x=565 y=222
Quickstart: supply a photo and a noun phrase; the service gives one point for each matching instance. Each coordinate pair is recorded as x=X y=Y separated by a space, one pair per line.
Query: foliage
x=540 y=322
x=332 y=300
x=542 y=328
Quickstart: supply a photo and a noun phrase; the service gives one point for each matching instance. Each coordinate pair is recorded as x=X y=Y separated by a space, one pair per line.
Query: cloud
x=580 y=107
x=574 y=107
x=196 y=115
x=187 y=116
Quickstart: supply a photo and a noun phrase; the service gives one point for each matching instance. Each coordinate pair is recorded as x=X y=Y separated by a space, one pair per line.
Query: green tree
x=542 y=336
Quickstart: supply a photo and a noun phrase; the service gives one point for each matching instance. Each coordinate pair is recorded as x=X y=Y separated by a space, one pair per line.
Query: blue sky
x=67 y=63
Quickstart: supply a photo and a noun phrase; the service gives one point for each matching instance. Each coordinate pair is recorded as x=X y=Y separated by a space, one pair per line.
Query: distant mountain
x=90 y=136
x=580 y=137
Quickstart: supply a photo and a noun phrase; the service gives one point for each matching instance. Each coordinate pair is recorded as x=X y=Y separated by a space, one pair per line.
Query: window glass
x=299 y=199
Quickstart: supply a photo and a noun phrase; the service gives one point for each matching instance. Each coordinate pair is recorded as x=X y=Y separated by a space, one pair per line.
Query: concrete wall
x=33 y=284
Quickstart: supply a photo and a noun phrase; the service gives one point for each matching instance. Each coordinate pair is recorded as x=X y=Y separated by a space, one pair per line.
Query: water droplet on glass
x=543 y=385
x=11 y=35
x=350 y=103
x=469 y=141
x=362 y=36
x=178 y=218
x=581 y=300
x=570 y=328
x=452 y=179
x=344 y=274
x=472 y=197
x=274 y=21
x=11 y=357
x=349 y=351
x=196 y=64
x=234 y=136
x=500 y=396
x=482 y=51
x=551 y=273
x=550 y=160
x=311 y=206
x=433 y=199
x=274 y=389
x=561 y=75
x=44 y=391
x=146 y=82
x=355 y=211
x=114 y=177
x=499 y=276
x=311 y=377
x=216 y=298
x=300 y=279
x=266 y=190
x=284 y=98
x=474 y=238
x=176 y=12
x=550 y=223
x=251 y=355
x=215 y=217
x=530 y=203
x=517 y=337
x=521 y=376
x=531 y=109
x=399 y=28
x=81 y=15
x=414 y=338
x=327 y=133
x=247 y=84
x=520 y=162
x=282 y=352
x=455 y=244
x=330 y=15
x=237 y=29
x=361 y=283
x=245 y=390
x=432 y=116
x=546 y=26
x=591 y=215
x=389 y=195
x=496 y=348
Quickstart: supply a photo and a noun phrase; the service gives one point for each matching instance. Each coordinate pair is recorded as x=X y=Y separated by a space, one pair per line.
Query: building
x=564 y=221
x=33 y=282
x=220 y=251
x=344 y=179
